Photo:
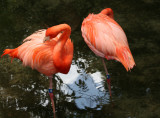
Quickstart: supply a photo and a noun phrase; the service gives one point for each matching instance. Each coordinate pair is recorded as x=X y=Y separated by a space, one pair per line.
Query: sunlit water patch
x=88 y=88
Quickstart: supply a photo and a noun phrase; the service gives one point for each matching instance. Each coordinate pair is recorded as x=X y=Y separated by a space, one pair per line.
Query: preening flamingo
x=106 y=39
x=48 y=51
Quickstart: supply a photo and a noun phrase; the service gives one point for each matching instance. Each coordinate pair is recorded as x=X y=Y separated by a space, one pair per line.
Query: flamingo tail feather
x=125 y=57
x=13 y=53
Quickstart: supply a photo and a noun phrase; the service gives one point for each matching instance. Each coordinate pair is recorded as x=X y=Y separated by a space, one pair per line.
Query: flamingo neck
x=65 y=29
x=59 y=54
x=108 y=12
x=52 y=32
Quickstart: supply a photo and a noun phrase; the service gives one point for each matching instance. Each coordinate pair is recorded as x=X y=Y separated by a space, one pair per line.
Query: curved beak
x=46 y=38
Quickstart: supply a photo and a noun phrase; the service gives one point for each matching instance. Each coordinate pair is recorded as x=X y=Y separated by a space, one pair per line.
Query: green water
x=136 y=94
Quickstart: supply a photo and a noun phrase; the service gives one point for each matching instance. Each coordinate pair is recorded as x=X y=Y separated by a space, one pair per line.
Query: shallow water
x=83 y=92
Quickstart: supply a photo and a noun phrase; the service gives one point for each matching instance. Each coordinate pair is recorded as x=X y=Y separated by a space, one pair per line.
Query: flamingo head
x=108 y=12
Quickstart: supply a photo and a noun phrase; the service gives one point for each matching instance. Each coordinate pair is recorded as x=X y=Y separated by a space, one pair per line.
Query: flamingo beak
x=46 y=38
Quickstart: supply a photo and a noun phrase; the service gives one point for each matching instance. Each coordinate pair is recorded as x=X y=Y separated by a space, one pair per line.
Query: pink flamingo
x=106 y=39
x=48 y=51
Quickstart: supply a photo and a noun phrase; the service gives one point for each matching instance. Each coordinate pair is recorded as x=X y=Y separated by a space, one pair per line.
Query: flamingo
x=48 y=51
x=105 y=37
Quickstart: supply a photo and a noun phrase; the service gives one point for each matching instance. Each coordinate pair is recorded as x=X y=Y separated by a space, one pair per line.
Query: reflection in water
x=26 y=94
x=88 y=88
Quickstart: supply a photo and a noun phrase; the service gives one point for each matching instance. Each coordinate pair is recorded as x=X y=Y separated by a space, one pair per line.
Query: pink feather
x=106 y=39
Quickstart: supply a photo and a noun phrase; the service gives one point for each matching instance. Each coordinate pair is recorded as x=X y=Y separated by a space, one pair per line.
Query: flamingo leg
x=50 y=90
x=108 y=78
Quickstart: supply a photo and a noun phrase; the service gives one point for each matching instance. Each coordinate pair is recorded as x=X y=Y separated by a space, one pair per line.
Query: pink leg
x=50 y=90
x=108 y=77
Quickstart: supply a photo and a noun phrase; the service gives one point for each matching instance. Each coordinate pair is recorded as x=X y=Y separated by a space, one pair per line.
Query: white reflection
x=88 y=88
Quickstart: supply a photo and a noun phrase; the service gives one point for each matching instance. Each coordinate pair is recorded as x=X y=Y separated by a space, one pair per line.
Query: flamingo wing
x=36 y=53
x=107 y=39
x=98 y=34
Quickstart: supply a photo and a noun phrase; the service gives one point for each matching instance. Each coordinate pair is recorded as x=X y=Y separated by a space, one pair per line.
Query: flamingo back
x=105 y=38
x=35 y=53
